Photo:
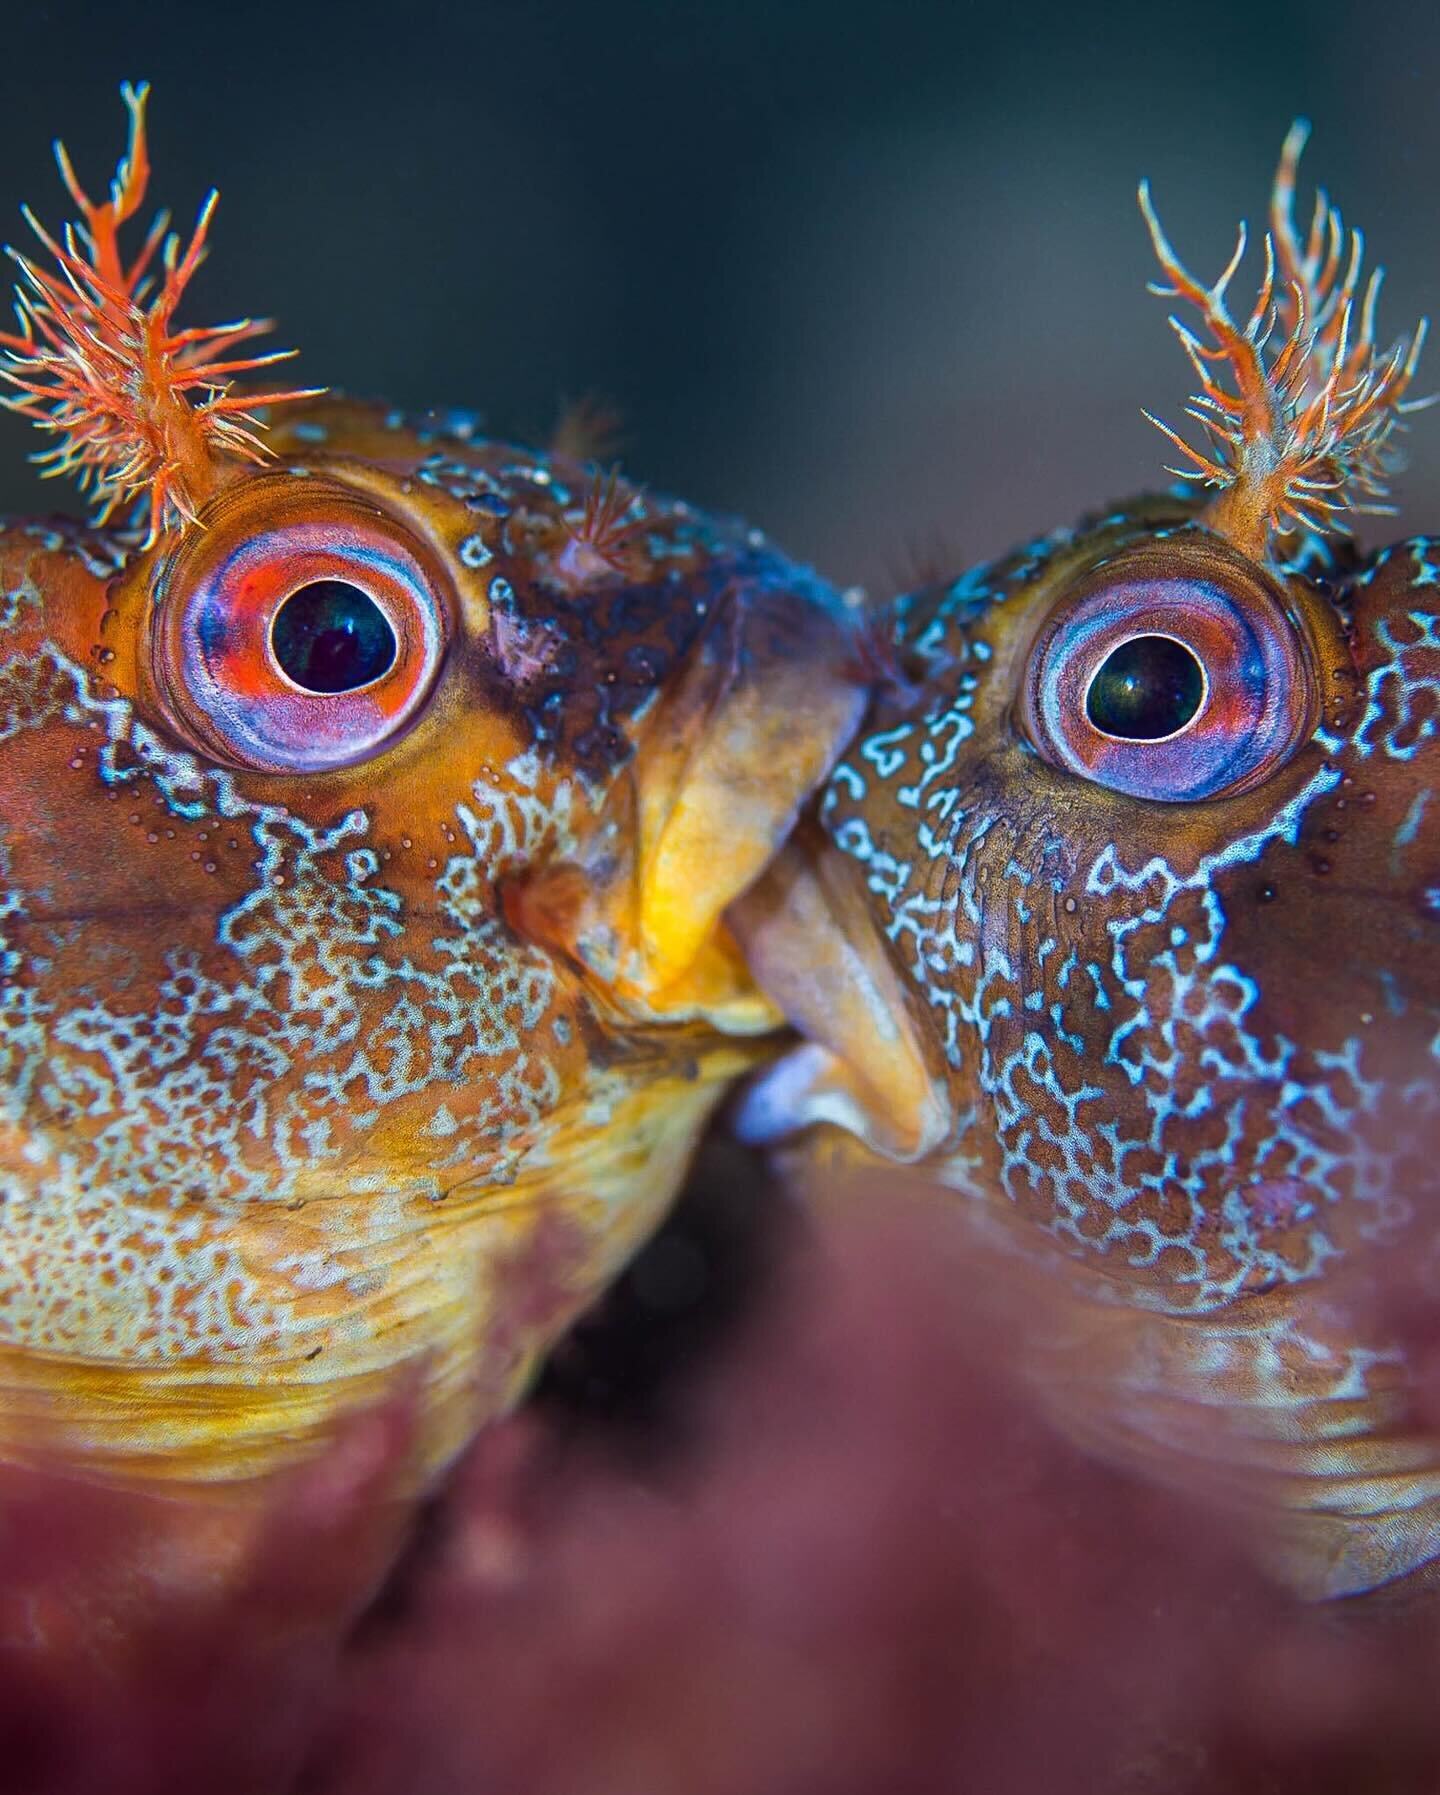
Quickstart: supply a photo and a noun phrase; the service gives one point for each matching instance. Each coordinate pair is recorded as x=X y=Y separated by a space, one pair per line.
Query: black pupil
x=332 y=637
x=1148 y=688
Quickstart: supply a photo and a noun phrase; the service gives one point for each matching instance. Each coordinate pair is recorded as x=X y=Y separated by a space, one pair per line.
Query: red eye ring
x=1205 y=680
x=220 y=644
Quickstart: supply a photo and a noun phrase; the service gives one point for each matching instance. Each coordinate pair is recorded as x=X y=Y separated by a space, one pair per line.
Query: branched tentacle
x=1299 y=407
x=96 y=360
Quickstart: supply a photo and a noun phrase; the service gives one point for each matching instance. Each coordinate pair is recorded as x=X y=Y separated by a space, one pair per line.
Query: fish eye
x=298 y=630
x=1171 y=673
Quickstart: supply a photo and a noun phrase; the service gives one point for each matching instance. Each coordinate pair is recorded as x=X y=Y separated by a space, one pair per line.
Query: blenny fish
x=371 y=797
x=1122 y=919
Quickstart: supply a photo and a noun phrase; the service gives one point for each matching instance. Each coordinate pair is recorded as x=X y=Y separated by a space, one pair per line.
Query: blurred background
x=868 y=273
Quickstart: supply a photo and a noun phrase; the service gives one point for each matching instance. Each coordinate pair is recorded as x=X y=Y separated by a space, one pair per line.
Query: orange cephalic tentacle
x=1303 y=431
x=127 y=193
x=97 y=363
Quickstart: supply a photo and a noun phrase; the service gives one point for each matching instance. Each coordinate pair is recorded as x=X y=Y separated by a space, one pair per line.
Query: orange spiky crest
x=136 y=405
x=1307 y=432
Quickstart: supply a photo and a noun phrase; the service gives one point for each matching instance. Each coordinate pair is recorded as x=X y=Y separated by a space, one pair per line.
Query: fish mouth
x=724 y=765
x=870 y=1063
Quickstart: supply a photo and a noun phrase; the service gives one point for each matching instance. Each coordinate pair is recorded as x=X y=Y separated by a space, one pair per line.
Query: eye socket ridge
x=1168 y=677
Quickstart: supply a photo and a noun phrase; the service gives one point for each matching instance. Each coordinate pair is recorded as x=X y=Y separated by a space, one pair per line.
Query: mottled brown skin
x=1187 y=1047
x=322 y=1084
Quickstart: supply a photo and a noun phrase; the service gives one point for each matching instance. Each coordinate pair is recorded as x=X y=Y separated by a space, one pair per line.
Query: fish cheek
x=1058 y=1056
x=88 y=835
x=1393 y=757
x=1099 y=1033
x=1329 y=928
x=112 y=863
x=1339 y=928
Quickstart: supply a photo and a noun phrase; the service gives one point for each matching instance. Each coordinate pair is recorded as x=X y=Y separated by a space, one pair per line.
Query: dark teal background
x=872 y=274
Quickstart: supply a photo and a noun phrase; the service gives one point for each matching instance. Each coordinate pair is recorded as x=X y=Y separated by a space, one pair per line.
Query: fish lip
x=870 y=1061
x=720 y=768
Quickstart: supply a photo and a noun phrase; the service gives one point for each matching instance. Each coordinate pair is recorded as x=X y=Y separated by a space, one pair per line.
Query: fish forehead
x=1200 y=1050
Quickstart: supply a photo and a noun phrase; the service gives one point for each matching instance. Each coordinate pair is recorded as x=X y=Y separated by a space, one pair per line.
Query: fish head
x=365 y=847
